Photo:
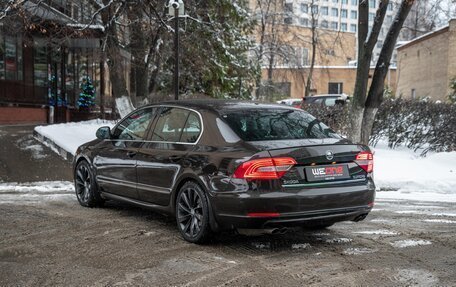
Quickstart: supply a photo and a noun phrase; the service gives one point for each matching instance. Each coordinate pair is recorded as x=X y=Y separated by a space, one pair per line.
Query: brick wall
x=424 y=65
x=23 y=115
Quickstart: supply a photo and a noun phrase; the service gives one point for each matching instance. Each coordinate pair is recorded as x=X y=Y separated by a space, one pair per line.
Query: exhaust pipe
x=360 y=217
x=281 y=230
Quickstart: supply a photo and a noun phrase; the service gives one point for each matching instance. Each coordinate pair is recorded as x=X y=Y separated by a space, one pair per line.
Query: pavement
x=48 y=239
x=24 y=159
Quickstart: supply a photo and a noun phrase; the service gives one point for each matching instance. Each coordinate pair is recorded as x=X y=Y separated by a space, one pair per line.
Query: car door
x=115 y=163
x=162 y=158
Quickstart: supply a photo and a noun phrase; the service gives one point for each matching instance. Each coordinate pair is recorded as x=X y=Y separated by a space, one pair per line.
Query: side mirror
x=104 y=133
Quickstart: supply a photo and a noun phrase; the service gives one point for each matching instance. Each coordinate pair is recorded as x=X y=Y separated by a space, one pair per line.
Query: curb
x=53 y=146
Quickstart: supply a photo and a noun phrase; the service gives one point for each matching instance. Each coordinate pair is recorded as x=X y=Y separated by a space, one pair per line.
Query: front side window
x=277 y=124
x=170 y=124
x=134 y=127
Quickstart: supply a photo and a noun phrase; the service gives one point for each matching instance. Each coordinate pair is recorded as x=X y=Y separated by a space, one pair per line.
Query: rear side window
x=277 y=124
x=329 y=102
x=192 y=129
x=170 y=125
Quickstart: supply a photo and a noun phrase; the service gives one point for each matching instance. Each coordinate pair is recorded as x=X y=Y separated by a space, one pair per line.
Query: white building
x=339 y=15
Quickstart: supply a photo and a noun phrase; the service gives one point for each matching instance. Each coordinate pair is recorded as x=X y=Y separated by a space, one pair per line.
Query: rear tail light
x=264 y=168
x=365 y=160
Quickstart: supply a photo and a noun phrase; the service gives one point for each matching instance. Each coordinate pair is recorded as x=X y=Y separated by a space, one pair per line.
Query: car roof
x=222 y=105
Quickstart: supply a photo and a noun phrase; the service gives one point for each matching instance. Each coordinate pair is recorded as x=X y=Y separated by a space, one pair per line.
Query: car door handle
x=131 y=153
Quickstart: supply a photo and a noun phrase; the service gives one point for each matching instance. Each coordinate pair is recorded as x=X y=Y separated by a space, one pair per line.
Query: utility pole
x=176 y=9
x=176 y=51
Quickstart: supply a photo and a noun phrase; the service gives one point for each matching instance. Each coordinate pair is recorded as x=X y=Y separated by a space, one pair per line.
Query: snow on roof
x=413 y=41
x=86 y=26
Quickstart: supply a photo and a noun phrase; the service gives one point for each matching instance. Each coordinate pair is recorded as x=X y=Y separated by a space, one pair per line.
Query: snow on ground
x=36 y=192
x=403 y=170
x=70 y=136
x=410 y=243
x=377 y=232
x=38 y=186
x=358 y=251
x=399 y=174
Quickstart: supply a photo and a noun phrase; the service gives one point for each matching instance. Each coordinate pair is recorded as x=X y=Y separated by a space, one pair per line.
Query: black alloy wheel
x=86 y=187
x=192 y=213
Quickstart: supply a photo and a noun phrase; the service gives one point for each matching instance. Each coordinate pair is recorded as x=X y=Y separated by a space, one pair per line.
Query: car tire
x=86 y=186
x=192 y=213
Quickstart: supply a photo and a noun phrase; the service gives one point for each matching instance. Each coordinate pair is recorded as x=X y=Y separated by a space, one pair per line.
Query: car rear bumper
x=288 y=207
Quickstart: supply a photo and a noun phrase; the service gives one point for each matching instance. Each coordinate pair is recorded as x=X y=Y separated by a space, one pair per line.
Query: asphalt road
x=47 y=239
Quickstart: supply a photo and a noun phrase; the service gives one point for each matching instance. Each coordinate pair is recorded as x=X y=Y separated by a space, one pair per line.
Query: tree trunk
x=375 y=96
x=114 y=54
x=314 y=52
x=365 y=47
x=367 y=124
x=138 y=48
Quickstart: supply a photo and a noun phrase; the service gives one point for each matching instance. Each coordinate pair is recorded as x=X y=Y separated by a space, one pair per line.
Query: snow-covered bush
x=416 y=124
x=419 y=125
x=452 y=95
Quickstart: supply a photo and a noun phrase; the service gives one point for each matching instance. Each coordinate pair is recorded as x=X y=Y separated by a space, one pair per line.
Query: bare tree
x=425 y=16
x=314 y=41
x=365 y=103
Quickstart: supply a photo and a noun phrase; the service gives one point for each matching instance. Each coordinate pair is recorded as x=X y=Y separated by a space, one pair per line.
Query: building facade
x=44 y=61
x=336 y=26
x=427 y=65
x=339 y=15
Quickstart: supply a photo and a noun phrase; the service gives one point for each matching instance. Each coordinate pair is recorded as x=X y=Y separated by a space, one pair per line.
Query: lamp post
x=176 y=9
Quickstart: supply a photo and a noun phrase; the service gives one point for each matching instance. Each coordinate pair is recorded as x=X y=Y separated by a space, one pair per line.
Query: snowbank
x=405 y=171
x=70 y=136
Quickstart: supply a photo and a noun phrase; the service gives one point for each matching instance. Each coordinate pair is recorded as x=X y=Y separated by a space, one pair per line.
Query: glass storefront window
x=20 y=62
x=40 y=66
x=10 y=58
x=2 y=58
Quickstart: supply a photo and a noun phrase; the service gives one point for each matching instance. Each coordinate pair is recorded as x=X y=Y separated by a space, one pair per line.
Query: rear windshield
x=277 y=124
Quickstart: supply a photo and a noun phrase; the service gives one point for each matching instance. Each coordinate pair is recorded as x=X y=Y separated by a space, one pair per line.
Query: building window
x=10 y=58
x=288 y=8
x=334 y=25
x=11 y=63
x=335 y=88
x=304 y=8
x=304 y=22
x=335 y=1
x=305 y=57
x=354 y=2
x=315 y=9
x=343 y=27
x=324 y=10
x=324 y=24
x=389 y=18
x=372 y=3
x=288 y=20
x=344 y=1
x=390 y=6
x=354 y=14
x=353 y=28
x=40 y=68
x=379 y=44
x=344 y=13
x=2 y=59
x=334 y=12
x=371 y=16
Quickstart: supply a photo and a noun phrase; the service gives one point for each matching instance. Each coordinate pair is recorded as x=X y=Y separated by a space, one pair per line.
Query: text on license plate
x=327 y=172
